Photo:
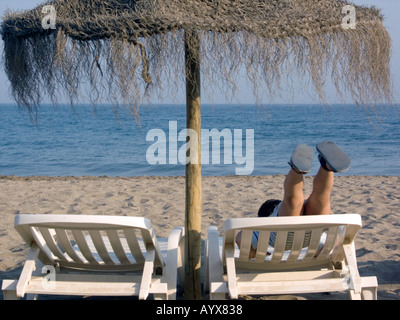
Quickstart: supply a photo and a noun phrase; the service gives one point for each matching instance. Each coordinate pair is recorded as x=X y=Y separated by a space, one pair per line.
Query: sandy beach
x=161 y=199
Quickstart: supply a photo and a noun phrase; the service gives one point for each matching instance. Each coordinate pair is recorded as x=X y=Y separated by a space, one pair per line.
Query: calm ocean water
x=66 y=142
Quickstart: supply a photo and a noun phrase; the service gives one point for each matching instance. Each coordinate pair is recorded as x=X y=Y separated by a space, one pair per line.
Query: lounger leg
x=160 y=296
x=369 y=289
x=9 y=288
x=369 y=293
x=218 y=290
x=354 y=295
x=217 y=296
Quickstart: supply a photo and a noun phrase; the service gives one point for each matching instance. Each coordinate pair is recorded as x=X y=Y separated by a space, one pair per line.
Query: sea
x=235 y=139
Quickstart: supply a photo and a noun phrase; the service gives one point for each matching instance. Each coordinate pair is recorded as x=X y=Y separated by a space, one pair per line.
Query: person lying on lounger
x=332 y=159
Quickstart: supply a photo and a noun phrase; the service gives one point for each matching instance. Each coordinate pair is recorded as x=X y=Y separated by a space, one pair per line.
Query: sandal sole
x=335 y=157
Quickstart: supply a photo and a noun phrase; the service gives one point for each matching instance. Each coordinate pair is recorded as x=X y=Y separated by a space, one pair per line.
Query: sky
x=390 y=10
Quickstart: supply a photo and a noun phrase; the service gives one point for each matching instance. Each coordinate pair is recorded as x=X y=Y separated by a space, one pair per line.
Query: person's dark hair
x=268 y=207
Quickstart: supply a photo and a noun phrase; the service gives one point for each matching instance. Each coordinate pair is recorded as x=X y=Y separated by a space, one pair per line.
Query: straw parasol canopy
x=122 y=49
x=125 y=51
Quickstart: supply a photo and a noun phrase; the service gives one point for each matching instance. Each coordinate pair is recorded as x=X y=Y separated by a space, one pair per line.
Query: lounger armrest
x=174 y=261
x=215 y=269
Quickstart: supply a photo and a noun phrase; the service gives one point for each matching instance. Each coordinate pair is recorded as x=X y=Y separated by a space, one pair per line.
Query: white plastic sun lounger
x=92 y=255
x=322 y=262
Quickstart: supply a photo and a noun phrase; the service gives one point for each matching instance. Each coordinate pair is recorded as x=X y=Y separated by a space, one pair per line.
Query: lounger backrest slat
x=327 y=248
x=100 y=246
x=115 y=241
x=298 y=241
x=38 y=238
x=50 y=242
x=280 y=245
x=339 y=240
x=66 y=244
x=81 y=242
x=133 y=244
x=314 y=243
x=262 y=246
x=245 y=245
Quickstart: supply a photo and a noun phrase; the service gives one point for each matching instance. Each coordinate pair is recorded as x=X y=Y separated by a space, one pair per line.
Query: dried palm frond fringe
x=122 y=50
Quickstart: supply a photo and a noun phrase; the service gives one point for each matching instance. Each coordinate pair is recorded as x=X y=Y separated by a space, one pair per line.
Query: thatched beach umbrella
x=123 y=50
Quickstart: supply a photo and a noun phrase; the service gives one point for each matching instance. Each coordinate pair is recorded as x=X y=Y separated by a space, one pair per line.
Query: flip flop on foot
x=301 y=160
x=332 y=158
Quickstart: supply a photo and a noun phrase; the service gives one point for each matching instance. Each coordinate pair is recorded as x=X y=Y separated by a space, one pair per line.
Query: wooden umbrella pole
x=193 y=170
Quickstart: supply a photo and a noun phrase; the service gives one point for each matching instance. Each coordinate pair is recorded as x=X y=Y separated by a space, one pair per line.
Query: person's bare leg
x=293 y=198
x=319 y=201
x=292 y=203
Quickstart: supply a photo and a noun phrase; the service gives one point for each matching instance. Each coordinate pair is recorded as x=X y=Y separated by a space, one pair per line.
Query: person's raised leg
x=293 y=198
x=319 y=201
